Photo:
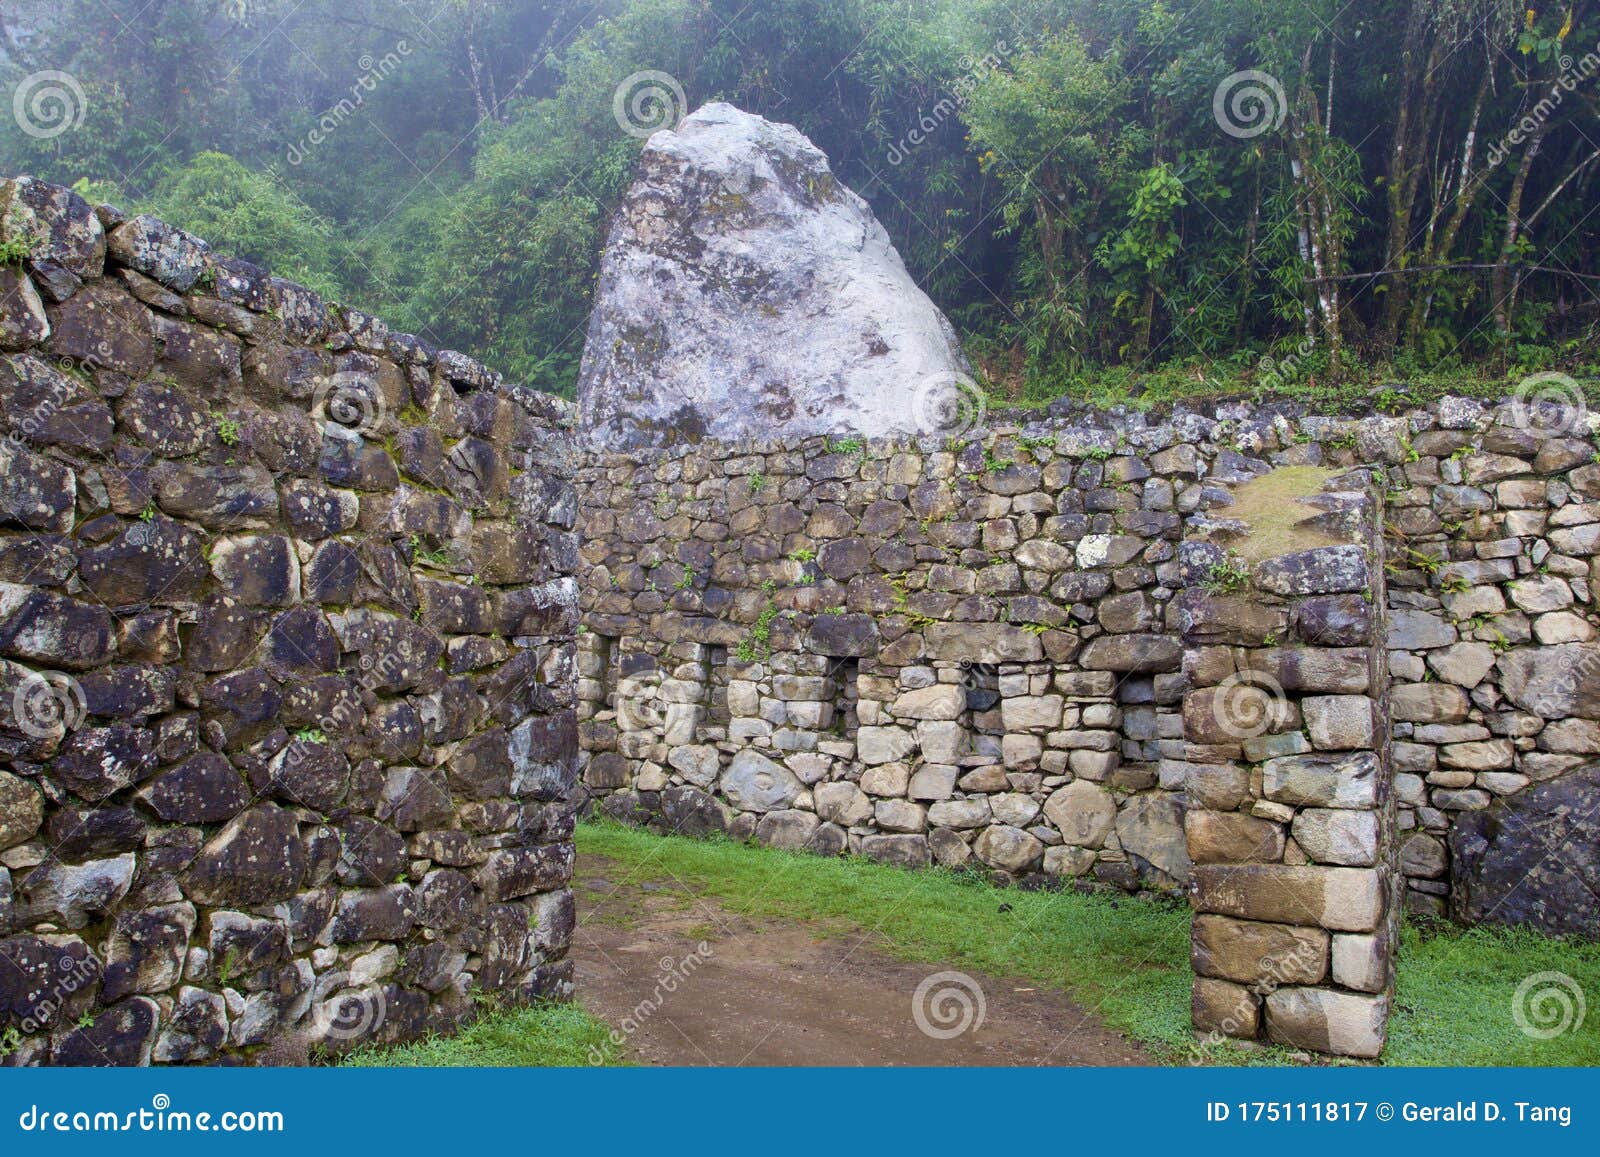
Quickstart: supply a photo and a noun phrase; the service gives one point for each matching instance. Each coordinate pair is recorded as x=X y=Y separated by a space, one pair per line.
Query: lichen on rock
x=746 y=292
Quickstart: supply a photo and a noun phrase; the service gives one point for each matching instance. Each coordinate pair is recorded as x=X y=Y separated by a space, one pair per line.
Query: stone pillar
x=1291 y=814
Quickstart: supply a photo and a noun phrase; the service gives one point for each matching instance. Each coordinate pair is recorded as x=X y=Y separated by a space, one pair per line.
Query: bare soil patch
x=771 y=992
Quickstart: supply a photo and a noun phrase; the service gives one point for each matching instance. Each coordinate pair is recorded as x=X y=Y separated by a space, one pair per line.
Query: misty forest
x=1112 y=199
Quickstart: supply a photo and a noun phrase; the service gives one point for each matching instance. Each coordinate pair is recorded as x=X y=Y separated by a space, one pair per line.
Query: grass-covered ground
x=1125 y=958
x=544 y=1035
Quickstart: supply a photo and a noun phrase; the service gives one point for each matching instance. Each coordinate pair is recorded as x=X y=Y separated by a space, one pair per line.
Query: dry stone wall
x=969 y=650
x=918 y=652
x=287 y=618
x=1291 y=820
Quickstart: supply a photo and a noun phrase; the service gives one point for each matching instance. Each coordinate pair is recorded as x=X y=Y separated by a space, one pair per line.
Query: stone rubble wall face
x=1035 y=569
x=1291 y=819
x=287 y=693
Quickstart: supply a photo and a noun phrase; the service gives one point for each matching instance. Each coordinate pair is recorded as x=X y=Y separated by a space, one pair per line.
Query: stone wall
x=286 y=612
x=967 y=650
x=916 y=652
x=1291 y=820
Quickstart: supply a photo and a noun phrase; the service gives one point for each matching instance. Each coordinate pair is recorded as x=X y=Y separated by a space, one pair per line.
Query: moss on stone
x=1273 y=507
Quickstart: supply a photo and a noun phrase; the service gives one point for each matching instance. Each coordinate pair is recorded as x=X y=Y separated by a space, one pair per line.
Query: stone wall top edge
x=1080 y=431
x=192 y=269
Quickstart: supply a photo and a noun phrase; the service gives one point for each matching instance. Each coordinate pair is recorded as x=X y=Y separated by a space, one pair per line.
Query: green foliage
x=421 y=553
x=17 y=240
x=249 y=214
x=1053 y=171
x=1227 y=575
x=757 y=645
x=1454 y=992
x=544 y=1035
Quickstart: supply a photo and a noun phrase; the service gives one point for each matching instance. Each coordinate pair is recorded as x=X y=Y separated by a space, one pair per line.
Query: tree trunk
x=1501 y=289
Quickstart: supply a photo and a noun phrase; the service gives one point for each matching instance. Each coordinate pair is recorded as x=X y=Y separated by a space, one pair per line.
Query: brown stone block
x=1341 y=899
x=1252 y=952
x=1220 y=1007
x=1232 y=838
x=1234 y=712
x=1218 y=786
x=1342 y=1023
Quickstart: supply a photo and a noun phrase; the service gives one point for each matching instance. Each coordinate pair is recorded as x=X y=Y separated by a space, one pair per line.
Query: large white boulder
x=745 y=292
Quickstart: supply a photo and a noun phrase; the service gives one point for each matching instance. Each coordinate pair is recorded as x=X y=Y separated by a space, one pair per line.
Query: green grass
x=1124 y=958
x=1246 y=374
x=543 y=1035
x=1454 y=991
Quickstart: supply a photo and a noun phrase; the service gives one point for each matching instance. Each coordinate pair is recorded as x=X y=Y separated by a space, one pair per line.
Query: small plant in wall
x=17 y=239
x=419 y=552
x=1426 y=563
x=758 y=482
x=1228 y=574
x=757 y=645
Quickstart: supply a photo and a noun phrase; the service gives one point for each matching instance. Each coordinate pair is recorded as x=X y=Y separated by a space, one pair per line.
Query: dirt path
x=767 y=992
